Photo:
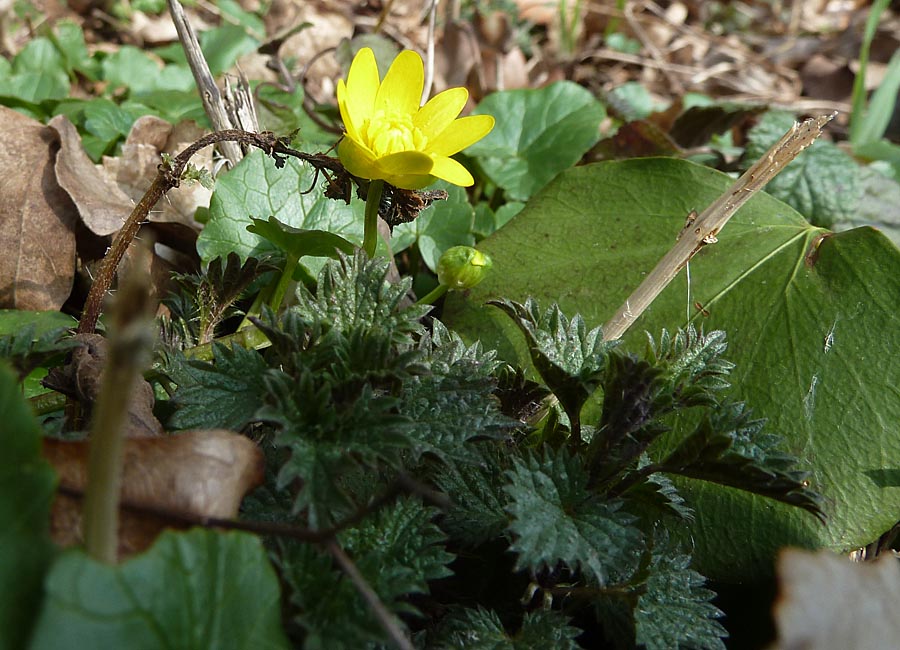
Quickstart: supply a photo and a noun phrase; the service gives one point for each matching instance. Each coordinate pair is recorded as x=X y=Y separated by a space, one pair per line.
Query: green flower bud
x=462 y=267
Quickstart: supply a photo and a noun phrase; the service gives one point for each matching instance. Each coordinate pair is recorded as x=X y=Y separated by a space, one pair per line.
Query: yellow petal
x=451 y=171
x=361 y=89
x=401 y=90
x=357 y=160
x=349 y=126
x=460 y=134
x=440 y=111
x=410 y=181
x=405 y=162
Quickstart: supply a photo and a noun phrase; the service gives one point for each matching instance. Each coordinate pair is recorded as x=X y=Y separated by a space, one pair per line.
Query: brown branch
x=387 y=620
x=406 y=204
x=401 y=485
x=168 y=177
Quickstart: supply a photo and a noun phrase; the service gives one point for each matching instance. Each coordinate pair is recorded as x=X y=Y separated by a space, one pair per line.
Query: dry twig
x=701 y=230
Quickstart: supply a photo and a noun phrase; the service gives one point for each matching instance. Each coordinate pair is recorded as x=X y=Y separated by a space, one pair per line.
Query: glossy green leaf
x=297 y=242
x=223 y=45
x=26 y=491
x=194 y=590
x=257 y=189
x=811 y=319
x=140 y=72
x=13 y=320
x=538 y=134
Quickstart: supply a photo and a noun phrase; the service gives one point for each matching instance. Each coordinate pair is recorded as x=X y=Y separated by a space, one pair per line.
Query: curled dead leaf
x=81 y=380
x=828 y=602
x=199 y=473
x=134 y=170
x=37 y=219
x=102 y=205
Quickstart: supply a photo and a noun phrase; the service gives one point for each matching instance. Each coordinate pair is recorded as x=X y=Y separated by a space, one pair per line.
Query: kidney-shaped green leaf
x=539 y=133
x=26 y=491
x=255 y=188
x=811 y=318
x=195 y=590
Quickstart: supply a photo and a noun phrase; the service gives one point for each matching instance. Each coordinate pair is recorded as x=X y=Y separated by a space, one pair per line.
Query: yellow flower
x=390 y=137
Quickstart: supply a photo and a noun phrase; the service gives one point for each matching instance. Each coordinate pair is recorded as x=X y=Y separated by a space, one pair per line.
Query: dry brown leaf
x=199 y=473
x=102 y=205
x=37 y=219
x=134 y=170
x=81 y=379
x=827 y=602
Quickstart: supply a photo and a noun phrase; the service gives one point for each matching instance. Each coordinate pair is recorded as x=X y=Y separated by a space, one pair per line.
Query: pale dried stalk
x=702 y=230
x=213 y=104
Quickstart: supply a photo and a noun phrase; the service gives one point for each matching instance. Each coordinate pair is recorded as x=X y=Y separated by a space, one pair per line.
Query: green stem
x=434 y=294
x=287 y=276
x=373 y=200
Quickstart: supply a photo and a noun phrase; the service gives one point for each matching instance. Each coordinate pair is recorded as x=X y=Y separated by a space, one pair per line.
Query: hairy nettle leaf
x=570 y=359
x=233 y=384
x=556 y=519
x=398 y=550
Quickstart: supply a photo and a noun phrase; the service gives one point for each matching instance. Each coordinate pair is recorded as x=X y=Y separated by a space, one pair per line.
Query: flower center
x=388 y=133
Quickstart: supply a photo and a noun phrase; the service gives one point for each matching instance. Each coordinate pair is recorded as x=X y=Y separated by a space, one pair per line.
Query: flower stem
x=287 y=276
x=431 y=296
x=373 y=200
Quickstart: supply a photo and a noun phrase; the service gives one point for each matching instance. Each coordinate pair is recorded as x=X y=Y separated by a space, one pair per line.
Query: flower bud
x=462 y=267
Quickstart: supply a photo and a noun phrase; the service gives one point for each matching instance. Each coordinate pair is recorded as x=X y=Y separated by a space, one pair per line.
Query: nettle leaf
x=29 y=340
x=195 y=589
x=663 y=605
x=354 y=292
x=398 y=551
x=683 y=370
x=208 y=298
x=454 y=402
x=570 y=359
x=674 y=610
x=656 y=496
x=727 y=447
x=635 y=397
x=539 y=133
x=693 y=362
x=481 y=629
x=224 y=394
x=556 y=519
x=823 y=183
x=27 y=486
x=256 y=188
x=328 y=438
x=331 y=613
x=475 y=487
